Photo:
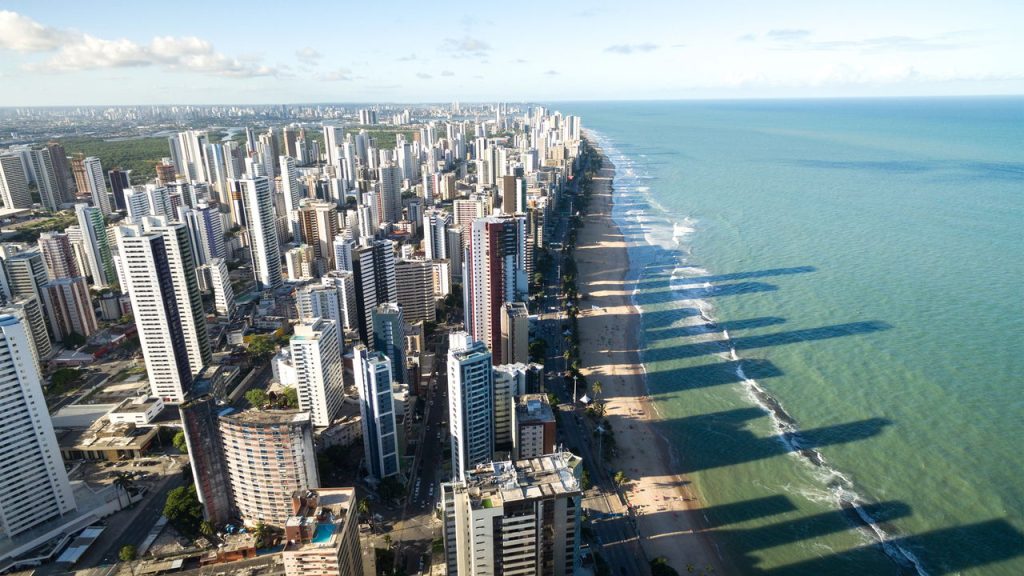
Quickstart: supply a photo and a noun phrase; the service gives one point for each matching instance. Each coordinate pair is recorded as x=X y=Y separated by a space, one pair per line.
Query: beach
x=609 y=327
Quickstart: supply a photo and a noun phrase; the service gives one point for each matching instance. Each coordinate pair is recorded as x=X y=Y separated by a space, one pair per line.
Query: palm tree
x=122 y=483
x=364 y=507
x=596 y=388
x=206 y=529
x=128 y=554
x=260 y=533
x=387 y=541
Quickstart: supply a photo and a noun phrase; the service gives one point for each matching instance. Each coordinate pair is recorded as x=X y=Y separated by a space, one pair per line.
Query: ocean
x=833 y=322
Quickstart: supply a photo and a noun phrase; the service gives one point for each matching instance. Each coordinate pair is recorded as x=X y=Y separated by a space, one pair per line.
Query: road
x=133 y=528
x=415 y=532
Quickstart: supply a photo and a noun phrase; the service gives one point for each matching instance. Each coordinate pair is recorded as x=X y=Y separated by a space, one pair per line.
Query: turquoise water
x=324 y=532
x=834 y=323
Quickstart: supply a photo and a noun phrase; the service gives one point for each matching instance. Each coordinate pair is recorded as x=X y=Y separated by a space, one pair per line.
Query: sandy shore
x=609 y=349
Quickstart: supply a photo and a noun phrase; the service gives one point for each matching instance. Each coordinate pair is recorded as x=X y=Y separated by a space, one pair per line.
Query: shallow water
x=834 y=322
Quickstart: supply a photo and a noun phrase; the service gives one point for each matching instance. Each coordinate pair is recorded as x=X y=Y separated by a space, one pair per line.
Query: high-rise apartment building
x=495 y=273
x=199 y=418
x=58 y=255
x=415 y=280
x=34 y=487
x=161 y=281
x=377 y=409
x=520 y=517
x=373 y=269
x=322 y=534
x=14 y=190
x=435 y=234
x=96 y=245
x=389 y=337
x=318 y=224
x=269 y=455
x=390 y=181
x=46 y=179
x=97 y=185
x=316 y=358
x=220 y=283
x=333 y=300
x=533 y=427
x=266 y=254
x=120 y=180
x=514 y=346
x=470 y=403
x=292 y=192
x=69 y=308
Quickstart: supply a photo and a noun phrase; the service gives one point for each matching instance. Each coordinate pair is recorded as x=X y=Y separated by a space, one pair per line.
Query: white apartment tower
x=97 y=185
x=266 y=253
x=316 y=356
x=34 y=487
x=161 y=281
x=470 y=403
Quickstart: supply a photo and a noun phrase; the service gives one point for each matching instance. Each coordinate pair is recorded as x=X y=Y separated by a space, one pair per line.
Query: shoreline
x=669 y=522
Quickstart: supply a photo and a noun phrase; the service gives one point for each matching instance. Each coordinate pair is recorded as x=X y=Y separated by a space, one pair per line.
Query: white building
x=470 y=403
x=220 y=282
x=96 y=245
x=97 y=185
x=266 y=253
x=161 y=281
x=519 y=517
x=316 y=358
x=34 y=487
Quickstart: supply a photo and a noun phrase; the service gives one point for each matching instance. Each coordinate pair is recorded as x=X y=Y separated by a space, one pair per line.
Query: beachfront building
x=520 y=517
x=470 y=403
x=322 y=534
x=533 y=427
x=269 y=455
x=495 y=273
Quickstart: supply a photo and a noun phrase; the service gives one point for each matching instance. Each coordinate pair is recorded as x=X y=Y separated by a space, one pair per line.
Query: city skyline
x=592 y=51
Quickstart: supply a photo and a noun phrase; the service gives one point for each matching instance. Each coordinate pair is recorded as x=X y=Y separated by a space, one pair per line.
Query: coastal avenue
x=614 y=535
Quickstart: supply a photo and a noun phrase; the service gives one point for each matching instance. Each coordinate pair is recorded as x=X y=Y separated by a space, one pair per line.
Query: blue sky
x=117 y=52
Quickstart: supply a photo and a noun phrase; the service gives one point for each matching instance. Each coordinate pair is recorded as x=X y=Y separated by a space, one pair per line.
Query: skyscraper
x=495 y=273
x=435 y=235
x=389 y=337
x=266 y=254
x=292 y=192
x=62 y=172
x=316 y=356
x=199 y=419
x=34 y=487
x=318 y=223
x=69 y=308
x=515 y=334
x=120 y=180
x=14 y=190
x=97 y=184
x=377 y=408
x=519 y=517
x=187 y=152
x=96 y=245
x=415 y=280
x=269 y=455
x=220 y=283
x=329 y=512
x=373 y=267
x=164 y=291
x=333 y=300
x=390 y=180
x=58 y=255
x=46 y=179
x=470 y=403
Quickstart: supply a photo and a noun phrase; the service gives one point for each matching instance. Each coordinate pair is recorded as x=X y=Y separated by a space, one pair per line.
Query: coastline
x=669 y=524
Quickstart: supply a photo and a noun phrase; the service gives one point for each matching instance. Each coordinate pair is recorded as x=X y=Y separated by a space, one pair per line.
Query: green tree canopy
x=180 y=443
x=183 y=509
x=257 y=397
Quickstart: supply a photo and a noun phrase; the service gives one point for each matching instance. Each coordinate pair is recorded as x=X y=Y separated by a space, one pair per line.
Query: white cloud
x=466 y=47
x=423 y=76
x=74 y=51
x=308 y=55
x=23 y=34
x=631 y=48
x=338 y=75
x=447 y=73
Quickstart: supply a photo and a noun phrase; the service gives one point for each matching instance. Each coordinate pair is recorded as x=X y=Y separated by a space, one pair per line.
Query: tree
x=206 y=529
x=128 y=554
x=538 y=349
x=257 y=397
x=596 y=388
x=123 y=483
x=660 y=567
x=291 y=397
x=620 y=478
x=387 y=541
x=183 y=509
x=261 y=533
x=261 y=345
x=63 y=378
x=364 y=507
x=74 y=340
x=179 y=442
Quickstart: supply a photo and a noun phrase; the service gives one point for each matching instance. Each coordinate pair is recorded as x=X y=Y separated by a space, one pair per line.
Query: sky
x=219 y=51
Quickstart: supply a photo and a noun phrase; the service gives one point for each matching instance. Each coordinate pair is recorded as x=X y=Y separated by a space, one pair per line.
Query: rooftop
x=268 y=417
x=552 y=475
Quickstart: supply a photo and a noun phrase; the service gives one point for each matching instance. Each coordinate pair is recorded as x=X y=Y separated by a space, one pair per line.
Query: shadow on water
x=708 y=375
x=735 y=444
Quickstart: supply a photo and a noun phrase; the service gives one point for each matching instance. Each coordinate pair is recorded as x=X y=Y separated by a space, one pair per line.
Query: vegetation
x=261 y=346
x=660 y=567
x=122 y=484
x=128 y=554
x=585 y=479
x=385 y=137
x=262 y=534
x=620 y=478
x=183 y=510
x=257 y=397
x=140 y=155
x=538 y=350
x=30 y=231
x=390 y=488
x=180 y=443
x=64 y=379
x=74 y=340
x=290 y=397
